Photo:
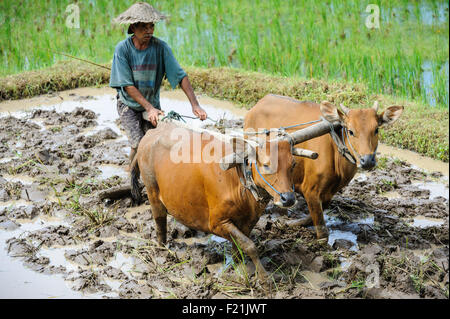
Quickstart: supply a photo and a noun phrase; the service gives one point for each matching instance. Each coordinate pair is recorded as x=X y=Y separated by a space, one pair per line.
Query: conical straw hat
x=139 y=12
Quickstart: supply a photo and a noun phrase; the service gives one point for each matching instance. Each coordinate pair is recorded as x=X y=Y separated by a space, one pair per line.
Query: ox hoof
x=262 y=275
x=265 y=283
x=322 y=233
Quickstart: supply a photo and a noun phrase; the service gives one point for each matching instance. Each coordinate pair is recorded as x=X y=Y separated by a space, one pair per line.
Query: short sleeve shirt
x=144 y=69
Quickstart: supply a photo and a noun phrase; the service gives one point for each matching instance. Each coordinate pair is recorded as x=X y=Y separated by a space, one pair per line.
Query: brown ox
x=205 y=195
x=318 y=180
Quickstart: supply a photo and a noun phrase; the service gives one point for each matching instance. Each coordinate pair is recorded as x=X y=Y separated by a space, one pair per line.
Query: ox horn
x=375 y=106
x=344 y=109
x=304 y=153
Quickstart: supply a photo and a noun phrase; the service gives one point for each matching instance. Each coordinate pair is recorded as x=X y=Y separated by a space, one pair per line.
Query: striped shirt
x=143 y=69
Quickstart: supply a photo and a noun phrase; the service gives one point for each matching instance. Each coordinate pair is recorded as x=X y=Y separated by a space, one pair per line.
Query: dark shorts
x=132 y=122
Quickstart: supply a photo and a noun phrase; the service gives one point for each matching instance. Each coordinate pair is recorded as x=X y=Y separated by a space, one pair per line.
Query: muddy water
x=177 y=101
x=72 y=258
x=109 y=170
x=415 y=159
x=18 y=281
x=424 y=222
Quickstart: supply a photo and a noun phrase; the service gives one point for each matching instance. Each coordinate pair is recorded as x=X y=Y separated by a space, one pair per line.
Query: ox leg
x=316 y=212
x=306 y=221
x=159 y=212
x=161 y=229
x=160 y=216
x=233 y=234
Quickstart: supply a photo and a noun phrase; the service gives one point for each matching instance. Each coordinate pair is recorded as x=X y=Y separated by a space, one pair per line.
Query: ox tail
x=135 y=188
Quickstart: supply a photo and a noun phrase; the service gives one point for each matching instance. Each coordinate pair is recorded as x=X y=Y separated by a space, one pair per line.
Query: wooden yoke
x=304 y=153
x=312 y=131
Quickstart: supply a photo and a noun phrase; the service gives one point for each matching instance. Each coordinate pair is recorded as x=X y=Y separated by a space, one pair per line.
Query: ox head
x=272 y=164
x=360 y=128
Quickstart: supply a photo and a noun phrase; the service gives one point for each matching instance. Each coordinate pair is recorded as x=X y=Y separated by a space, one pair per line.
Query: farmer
x=140 y=62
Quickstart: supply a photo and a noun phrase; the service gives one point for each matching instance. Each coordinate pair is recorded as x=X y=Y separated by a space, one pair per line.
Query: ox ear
x=390 y=115
x=330 y=112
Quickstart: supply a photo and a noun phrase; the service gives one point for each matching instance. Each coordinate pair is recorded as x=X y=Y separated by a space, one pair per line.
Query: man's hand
x=153 y=115
x=199 y=112
x=152 y=112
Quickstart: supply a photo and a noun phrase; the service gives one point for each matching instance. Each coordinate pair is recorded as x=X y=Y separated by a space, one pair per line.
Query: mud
x=388 y=229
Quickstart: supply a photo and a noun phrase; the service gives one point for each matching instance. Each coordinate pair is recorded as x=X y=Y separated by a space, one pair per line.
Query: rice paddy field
x=68 y=227
x=406 y=56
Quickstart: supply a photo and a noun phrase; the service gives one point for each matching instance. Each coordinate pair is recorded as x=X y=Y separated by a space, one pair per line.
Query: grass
x=359 y=284
x=330 y=260
x=61 y=76
x=240 y=268
x=325 y=40
x=420 y=274
x=148 y=253
x=98 y=216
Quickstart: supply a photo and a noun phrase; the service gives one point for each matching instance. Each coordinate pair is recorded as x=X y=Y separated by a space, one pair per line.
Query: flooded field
x=60 y=239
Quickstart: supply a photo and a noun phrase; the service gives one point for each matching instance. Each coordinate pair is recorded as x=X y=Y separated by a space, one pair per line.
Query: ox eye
x=351 y=133
x=293 y=166
x=376 y=131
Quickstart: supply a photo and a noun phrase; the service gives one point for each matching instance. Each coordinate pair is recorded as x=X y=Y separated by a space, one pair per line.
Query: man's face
x=144 y=31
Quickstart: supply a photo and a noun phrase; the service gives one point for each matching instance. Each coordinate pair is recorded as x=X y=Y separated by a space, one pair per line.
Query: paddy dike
x=388 y=228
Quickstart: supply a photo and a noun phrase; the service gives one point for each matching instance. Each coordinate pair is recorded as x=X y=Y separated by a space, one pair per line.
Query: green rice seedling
x=334 y=273
x=73 y=204
x=359 y=284
x=98 y=217
x=312 y=39
x=13 y=170
x=57 y=195
x=240 y=267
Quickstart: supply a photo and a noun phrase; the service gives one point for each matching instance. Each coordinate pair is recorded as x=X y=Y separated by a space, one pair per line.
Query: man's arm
x=176 y=75
x=187 y=89
x=153 y=112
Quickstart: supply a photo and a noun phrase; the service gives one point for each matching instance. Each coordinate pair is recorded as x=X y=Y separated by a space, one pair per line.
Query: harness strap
x=172 y=115
x=249 y=184
x=349 y=143
x=281 y=129
x=301 y=124
x=342 y=149
x=265 y=181
x=247 y=180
